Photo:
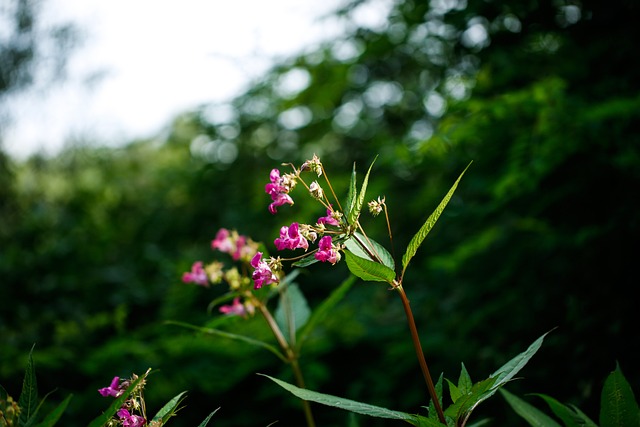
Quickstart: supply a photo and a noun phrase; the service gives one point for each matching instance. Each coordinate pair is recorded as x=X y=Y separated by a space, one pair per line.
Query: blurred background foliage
x=541 y=95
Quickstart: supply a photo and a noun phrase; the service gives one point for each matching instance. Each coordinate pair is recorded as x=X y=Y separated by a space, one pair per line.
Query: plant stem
x=291 y=356
x=416 y=344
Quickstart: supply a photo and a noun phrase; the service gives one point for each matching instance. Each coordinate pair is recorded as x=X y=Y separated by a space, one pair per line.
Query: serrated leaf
x=512 y=367
x=464 y=381
x=169 y=408
x=54 y=416
x=206 y=420
x=618 y=406
x=466 y=403
x=28 y=400
x=346 y=404
x=319 y=314
x=354 y=246
x=104 y=418
x=417 y=240
x=568 y=415
x=528 y=412
x=229 y=335
x=368 y=271
x=354 y=213
x=293 y=310
x=351 y=195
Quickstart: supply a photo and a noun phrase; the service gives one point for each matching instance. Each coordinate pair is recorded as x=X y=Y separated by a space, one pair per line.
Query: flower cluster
x=131 y=414
x=279 y=189
x=296 y=235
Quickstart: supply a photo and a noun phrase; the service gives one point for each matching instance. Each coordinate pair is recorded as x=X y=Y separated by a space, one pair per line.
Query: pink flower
x=129 y=420
x=327 y=251
x=278 y=189
x=262 y=275
x=290 y=238
x=234 y=309
x=329 y=219
x=197 y=275
x=113 y=389
x=223 y=241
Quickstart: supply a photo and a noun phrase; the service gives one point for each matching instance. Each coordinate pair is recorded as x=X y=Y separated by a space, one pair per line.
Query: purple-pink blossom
x=262 y=275
x=223 y=241
x=234 y=309
x=278 y=189
x=129 y=420
x=113 y=390
x=197 y=275
x=329 y=219
x=290 y=238
x=327 y=251
x=238 y=246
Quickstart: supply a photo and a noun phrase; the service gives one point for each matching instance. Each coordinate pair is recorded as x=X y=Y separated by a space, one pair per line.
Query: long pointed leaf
x=531 y=414
x=206 y=420
x=368 y=270
x=384 y=255
x=346 y=404
x=351 y=196
x=28 y=400
x=52 y=418
x=512 y=367
x=293 y=310
x=618 y=406
x=354 y=212
x=568 y=415
x=169 y=408
x=232 y=336
x=417 y=240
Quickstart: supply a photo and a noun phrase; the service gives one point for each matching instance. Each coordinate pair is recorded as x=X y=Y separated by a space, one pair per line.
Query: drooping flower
x=113 y=390
x=329 y=219
x=263 y=274
x=279 y=188
x=313 y=165
x=375 y=206
x=236 y=308
x=223 y=241
x=290 y=238
x=327 y=251
x=197 y=275
x=316 y=190
x=130 y=420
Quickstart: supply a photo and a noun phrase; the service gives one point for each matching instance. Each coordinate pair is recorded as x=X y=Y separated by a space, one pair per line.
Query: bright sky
x=145 y=61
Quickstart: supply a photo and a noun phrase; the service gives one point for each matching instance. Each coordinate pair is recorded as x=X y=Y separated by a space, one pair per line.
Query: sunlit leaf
x=169 y=409
x=368 y=271
x=417 y=240
x=354 y=213
x=206 y=420
x=379 y=250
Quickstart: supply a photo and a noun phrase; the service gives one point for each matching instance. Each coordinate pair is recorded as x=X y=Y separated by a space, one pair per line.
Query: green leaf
x=169 y=409
x=369 y=271
x=293 y=310
x=28 y=400
x=454 y=391
x=319 y=314
x=568 y=415
x=306 y=261
x=467 y=402
x=433 y=413
x=354 y=246
x=417 y=240
x=104 y=418
x=346 y=404
x=206 y=420
x=52 y=418
x=351 y=196
x=618 y=406
x=354 y=211
x=464 y=382
x=232 y=336
x=532 y=415
x=512 y=367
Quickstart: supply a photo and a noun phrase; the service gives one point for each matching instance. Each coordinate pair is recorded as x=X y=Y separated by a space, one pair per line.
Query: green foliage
x=25 y=412
x=619 y=407
x=465 y=396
